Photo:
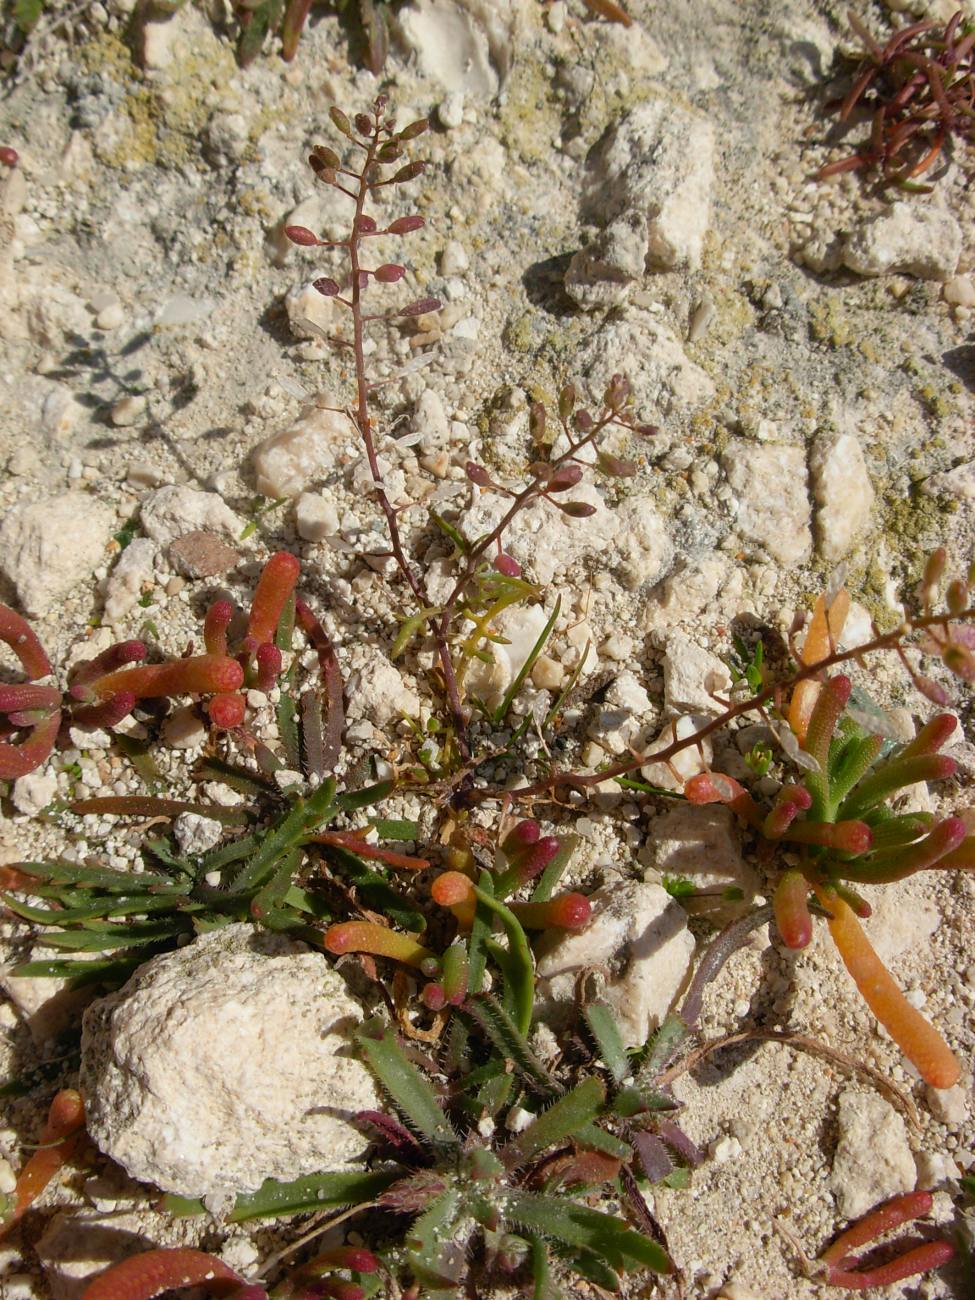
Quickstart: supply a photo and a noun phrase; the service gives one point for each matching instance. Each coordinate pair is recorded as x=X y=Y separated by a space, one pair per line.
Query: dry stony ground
x=814 y=398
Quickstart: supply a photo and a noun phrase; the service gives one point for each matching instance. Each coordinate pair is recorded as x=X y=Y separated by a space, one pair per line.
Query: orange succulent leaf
x=918 y=1040
x=60 y=1137
x=825 y=628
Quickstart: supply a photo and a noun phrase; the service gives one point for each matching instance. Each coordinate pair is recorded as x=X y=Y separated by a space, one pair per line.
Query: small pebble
x=454 y=259
x=128 y=411
x=111 y=317
x=450 y=111
x=960 y=291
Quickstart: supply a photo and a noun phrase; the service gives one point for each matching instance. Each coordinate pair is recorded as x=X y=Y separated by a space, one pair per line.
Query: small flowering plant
x=487 y=577
x=840 y=824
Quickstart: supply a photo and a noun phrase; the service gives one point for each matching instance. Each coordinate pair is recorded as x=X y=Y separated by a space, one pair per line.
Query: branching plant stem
x=888 y=641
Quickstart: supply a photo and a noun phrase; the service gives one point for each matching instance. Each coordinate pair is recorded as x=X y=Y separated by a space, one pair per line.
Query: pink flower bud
x=363 y=123
x=301 y=235
x=403 y=225
x=507 y=565
x=389 y=273
x=325 y=286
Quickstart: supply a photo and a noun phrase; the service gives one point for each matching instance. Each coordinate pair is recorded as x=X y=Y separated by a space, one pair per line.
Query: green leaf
x=392 y=829
x=596 y=1138
x=431 y=1238
x=269 y=898
x=513 y=1046
x=78 y=973
x=411 y=1093
x=543 y=1287
x=578 y=1226
x=562 y=1119
x=461 y=542
x=502 y=710
x=288 y=731
x=273 y=1199
x=116 y=882
x=353 y=800
x=552 y=874
x=679 y=1179
x=113 y=938
x=26 y=13
x=661 y=1047
x=606 y=1031
x=409 y=628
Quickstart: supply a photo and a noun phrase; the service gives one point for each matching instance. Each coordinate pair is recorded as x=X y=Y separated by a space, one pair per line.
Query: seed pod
x=477 y=474
x=389 y=152
x=323 y=156
x=565 y=477
x=576 y=509
x=414 y=129
x=617 y=391
x=615 y=467
x=8 y=157
x=956 y=597
x=363 y=123
x=366 y=225
x=507 y=564
x=389 y=273
x=301 y=235
x=582 y=421
x=340 y=121
x=325 y=286
x=408 y=173
x=421 y=308
x=536 y=421
x=567 y=401
x=403 y=225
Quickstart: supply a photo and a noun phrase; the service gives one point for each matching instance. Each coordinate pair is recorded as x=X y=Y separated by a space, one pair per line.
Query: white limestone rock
x=600 y=275
x=310 y=314
x=196 y=834
x=383 y=693
x=672 y=774
x=48 y=547
x=640 y=934
x=292 y=460
x=643 y=547
x=691 y=675
x=769 y=487
x=431 y=423
x=948 y=1105
x=921 y=241
x=873 y=1159
x=519 y=629
x=467 y=46
x=651 y=355
x=621 y=716
x=33 y=792
x=543 y=541
x=172 y=511
x=958 y=482
x=701 y=843
x=316 y=517
x=225 y=1063
x=133 y=573
x=842 y=491
x=657 y=161
x=701 y=583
